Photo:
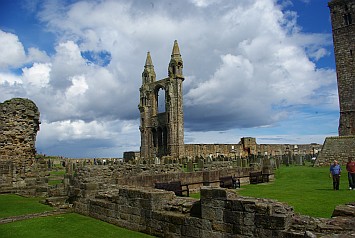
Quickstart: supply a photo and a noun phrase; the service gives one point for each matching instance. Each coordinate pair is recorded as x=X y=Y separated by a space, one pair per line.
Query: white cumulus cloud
x=12 y=51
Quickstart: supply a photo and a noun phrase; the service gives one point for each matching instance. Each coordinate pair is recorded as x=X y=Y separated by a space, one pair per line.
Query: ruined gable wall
x=19 y=170
x=19 y=120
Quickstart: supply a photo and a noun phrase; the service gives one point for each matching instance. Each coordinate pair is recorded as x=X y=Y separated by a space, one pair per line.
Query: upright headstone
x=200 y=164
x=190 y=166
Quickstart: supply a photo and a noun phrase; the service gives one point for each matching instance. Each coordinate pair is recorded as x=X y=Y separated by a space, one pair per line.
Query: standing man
x=335 y=172
x=350 y=167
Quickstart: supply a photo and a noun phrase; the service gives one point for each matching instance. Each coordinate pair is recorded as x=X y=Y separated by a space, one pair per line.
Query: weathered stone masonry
x=219 y=213
x=162 y=126
x=337 y=148
x=160 y=213
x=342 y=14
x=19 y=127
x=125 y=197
x=19 y=170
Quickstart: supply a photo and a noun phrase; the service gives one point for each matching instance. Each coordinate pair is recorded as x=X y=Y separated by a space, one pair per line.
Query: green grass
x=57 y=173
x=68 y=225
x=55 y=181
x=195 y=195
x=14 y=205
x=309 y=190
x=56 y=177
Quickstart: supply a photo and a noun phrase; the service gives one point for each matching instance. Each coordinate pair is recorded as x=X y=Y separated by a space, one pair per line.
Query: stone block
x=249 y=205
x=213 y=193
x=190 y=231
x=212 y=214
x=213 y=203
x=281 y=208
x=344 y=210
x=222 y=227
x=235 y=205
x=176 y=218
x=211 y=234
x=202 y=224
x=248 y=219
x=42 y=189
x=262 y=208
x=90 y=186
x=233 y=217
x=124 y=216
x=279 y=222
x=247 y=231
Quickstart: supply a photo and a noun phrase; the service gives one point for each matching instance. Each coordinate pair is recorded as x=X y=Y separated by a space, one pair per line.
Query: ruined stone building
x=161 y=109
x=19 y=170
x=343 y=24
x=19 y=127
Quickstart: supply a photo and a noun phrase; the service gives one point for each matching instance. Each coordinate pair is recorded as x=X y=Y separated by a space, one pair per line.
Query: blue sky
x=259 y=68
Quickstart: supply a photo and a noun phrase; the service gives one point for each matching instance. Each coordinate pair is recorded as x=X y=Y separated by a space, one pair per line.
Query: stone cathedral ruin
x=162 y=126
x=126 y=195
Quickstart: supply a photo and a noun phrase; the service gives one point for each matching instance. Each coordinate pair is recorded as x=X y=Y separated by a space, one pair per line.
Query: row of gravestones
x=256 y=163
x=259 y=162
x=199 y=161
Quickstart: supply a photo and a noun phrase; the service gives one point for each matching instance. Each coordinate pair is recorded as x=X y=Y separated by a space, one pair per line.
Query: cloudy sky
x=260 y=68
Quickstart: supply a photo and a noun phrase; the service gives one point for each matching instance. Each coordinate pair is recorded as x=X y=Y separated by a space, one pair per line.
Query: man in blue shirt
x=335 y=171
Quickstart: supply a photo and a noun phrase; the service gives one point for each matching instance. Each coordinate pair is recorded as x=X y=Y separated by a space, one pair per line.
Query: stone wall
x=19 y=120
x=124 y=195
x=240 y=150
x=91 y=178
x=219 y=213
x=160 y=213
x=337 y=148
x=19 y=169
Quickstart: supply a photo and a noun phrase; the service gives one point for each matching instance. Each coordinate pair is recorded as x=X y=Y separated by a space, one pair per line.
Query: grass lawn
x=55 y=181
x=14 y=205
x=68 y=225
x=56 y=177
x=57 y=173
x=309 y=190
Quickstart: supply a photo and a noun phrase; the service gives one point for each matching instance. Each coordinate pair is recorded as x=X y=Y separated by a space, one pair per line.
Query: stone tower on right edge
x=343 y=25
x=342 y=147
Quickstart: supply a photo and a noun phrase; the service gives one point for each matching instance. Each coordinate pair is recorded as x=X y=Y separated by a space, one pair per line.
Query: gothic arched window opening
x=161 y=100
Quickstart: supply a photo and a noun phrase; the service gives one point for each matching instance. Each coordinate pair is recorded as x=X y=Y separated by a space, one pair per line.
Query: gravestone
x=190 y=166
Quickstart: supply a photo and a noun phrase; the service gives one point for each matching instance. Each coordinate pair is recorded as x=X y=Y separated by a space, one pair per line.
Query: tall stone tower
x=161 y=109
x=343 y=25
x=342 y=147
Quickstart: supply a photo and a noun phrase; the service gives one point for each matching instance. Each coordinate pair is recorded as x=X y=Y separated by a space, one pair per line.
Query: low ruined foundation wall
x=101 y=177
x=219 y=212
x=161 y=213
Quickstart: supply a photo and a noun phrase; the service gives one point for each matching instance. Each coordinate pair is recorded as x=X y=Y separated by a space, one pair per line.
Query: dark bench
x=229 y=182
x=174 y=186
x=256 y=177
x=266 y=177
